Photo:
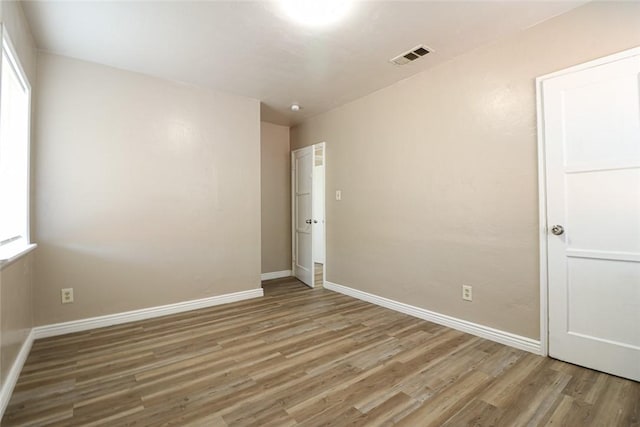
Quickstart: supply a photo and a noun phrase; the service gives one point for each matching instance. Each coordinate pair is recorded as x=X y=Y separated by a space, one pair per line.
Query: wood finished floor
x=305 y=357
x=318 y=270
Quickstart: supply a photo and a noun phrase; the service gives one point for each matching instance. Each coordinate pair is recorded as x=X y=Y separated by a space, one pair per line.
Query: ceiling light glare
x=315 y=13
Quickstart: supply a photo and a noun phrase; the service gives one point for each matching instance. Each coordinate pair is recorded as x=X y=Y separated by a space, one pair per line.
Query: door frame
x=322 y=144
x=542 y=185
x=293 y=213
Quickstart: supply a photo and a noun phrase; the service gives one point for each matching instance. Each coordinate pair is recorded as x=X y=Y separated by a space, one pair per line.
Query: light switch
x=338 y=195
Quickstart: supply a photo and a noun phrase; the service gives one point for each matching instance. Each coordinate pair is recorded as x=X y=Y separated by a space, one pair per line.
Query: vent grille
x=410 y=55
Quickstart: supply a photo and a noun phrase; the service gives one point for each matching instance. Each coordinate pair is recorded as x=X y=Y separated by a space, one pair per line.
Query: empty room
x=320 y=212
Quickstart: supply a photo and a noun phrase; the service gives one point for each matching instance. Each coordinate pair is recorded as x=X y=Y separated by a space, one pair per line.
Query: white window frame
x=15 y=249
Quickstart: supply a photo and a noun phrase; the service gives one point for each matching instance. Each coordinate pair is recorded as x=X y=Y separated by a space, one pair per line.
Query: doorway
x=308 y=231
x=589 y=155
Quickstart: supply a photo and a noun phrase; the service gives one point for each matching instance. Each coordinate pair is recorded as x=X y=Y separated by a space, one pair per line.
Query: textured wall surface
x=147 y=191
x=439 y=173
x=275 y=186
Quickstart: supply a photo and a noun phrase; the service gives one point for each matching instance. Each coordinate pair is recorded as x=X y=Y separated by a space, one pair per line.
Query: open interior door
x=302 y=197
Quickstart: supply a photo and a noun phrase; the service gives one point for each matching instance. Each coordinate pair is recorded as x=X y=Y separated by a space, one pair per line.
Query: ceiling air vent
x=410 y=55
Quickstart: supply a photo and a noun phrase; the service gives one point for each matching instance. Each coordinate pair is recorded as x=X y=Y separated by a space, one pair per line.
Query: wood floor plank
x=301 y=356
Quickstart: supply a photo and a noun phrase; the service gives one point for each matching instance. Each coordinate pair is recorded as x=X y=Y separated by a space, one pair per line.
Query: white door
x=592 y=156
x=318 y=203
x=302 y=184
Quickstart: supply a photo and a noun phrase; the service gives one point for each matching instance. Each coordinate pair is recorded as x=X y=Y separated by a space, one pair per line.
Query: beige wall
x=16 y=279
x=276 y=197
x=439 y=173
x=147 y=191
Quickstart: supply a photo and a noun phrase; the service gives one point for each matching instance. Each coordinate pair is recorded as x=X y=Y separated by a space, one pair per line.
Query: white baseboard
x=507 y=338
x=145 y=313
x=12 y=378
x=275 y=275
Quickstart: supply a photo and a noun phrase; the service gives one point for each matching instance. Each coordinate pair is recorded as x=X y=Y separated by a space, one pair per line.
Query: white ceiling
x=252 y=49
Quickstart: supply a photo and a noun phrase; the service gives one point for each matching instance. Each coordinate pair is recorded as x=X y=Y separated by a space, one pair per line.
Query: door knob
x=557 y=230
x=308 y=221
x=315 y=221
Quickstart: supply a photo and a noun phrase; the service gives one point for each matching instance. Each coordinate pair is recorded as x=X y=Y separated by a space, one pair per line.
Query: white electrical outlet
x=338 y=195
x=67 y=295
x=467 y=293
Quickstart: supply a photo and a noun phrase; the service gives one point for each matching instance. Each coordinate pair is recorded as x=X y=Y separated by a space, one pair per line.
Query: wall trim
x=142 y=314
x=502 y=337
x=275 y=275
x=542 y=222
x=8 y=259
x=14 y=373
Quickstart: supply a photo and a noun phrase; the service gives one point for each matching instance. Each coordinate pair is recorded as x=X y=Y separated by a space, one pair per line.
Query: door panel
x=588 y=122
x=592 y=155
x=615 y=301
x=610 y=199
x=304 y=211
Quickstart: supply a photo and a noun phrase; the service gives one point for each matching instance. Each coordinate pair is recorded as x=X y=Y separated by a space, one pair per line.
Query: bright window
x=15 y=94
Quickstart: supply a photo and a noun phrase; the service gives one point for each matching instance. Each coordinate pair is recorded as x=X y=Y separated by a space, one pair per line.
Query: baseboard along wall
x=502 y=337
x=142 y=314
x=12 y=378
